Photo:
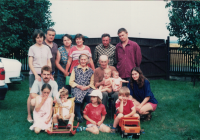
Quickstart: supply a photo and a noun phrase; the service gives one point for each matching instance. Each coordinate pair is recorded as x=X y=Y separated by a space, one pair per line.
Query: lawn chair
x=62 y=129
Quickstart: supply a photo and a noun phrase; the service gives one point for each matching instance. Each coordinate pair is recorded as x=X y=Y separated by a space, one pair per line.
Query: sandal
x=113 y=130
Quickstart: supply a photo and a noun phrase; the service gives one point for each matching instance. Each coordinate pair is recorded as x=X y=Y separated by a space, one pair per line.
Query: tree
x=184 y=23
x=19 y=18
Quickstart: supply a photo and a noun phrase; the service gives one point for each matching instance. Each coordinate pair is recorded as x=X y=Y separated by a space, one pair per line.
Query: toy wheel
x=122 y=135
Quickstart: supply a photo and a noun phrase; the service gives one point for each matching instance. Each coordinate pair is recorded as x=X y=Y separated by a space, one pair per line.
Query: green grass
x=176 y=117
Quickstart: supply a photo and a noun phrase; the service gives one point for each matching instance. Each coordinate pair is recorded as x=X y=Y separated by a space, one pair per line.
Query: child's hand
x=93 y=122
x=99 y=123
x=47 y=121
x=44 y=98
x=120 y=98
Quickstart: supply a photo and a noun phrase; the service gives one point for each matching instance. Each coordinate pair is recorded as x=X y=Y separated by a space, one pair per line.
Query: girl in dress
x=43 y=111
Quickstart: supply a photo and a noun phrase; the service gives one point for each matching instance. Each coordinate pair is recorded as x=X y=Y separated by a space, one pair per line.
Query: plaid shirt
x=101 y=50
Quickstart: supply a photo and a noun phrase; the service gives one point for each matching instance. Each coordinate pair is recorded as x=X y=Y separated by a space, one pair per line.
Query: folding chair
x=62 y=129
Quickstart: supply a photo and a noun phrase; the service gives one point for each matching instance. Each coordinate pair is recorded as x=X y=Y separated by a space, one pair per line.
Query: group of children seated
x=94 y=112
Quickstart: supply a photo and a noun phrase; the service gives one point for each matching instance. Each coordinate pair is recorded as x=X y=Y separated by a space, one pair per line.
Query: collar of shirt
x=84 y=69
x=106 y=67
x=48 y=45
x=104 y=46
x=126 y=44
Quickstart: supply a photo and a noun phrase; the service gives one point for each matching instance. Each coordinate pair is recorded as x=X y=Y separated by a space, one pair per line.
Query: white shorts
x=90 y=125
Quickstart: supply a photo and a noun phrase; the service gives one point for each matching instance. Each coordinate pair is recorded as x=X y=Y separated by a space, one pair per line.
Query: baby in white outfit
x=117 y=81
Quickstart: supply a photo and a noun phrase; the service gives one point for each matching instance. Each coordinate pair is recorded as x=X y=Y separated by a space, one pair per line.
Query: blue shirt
x=141 y=93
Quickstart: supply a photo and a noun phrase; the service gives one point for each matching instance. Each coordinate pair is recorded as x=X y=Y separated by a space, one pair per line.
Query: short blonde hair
x=113 y=72
x=64 y=92
x=124 y=90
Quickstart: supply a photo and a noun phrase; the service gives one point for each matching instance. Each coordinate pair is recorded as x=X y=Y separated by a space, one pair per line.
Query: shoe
x=68 y=126
x=80 y=120
x=55 y=127
x=30 y=121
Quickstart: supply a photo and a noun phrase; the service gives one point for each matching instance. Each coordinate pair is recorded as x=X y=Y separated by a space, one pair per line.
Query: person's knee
x=107 y=130
x=120 y=115
x=32 y=102
x=137 y=115
x=105 y=94
x=72 y=115
x=55 y=116
x=141 y=111
x=37 y=130
x=32 y=95
x=96 y=131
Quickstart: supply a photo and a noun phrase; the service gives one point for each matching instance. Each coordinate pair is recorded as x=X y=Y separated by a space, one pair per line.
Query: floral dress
x=61 y=80
x=81 y=78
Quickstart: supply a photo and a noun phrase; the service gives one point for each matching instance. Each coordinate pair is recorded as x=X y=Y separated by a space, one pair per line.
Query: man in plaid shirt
x=105 y=48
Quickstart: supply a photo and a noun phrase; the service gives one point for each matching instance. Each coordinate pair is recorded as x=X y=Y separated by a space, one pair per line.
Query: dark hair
x=140 y=80
x=98 y=100
x=79 y=36
x=68 y=36
x=36 y=33
x=50 y=29
x=46 y=68
x=122 y=30
x=46 y=86
x=105 y=35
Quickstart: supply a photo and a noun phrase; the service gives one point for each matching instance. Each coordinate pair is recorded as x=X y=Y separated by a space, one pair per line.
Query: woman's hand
x=52 y=78
x=66 y=74
x=37 y=77
x=44 y=98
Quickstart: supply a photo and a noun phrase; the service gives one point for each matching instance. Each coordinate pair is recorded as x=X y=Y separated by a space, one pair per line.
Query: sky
x=144 y=19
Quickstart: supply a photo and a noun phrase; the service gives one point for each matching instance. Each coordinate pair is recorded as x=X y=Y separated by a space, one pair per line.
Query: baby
x=107 y=81
x=117 y=81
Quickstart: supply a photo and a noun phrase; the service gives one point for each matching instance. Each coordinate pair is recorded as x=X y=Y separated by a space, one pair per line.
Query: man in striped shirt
x=105 y=48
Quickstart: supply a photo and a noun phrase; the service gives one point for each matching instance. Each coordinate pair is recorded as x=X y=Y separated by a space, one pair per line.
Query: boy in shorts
x=124 y=107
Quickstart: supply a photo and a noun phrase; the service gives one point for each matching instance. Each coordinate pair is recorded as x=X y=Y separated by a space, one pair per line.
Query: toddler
x=66 y=106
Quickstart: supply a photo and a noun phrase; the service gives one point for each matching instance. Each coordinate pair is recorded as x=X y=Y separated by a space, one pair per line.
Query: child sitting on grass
x=124 y=107
x=66 y=106
x=117 y=81
x=107 y=81
x=95 y=114
x=43 y=110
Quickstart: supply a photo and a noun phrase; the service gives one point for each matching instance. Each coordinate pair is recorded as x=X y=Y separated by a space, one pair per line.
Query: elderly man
x=36 y=89
x=105 y=48
x=50 y=35
x=98 y=78
x=128 y=55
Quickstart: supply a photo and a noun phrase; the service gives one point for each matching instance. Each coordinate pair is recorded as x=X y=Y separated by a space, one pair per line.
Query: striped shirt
x=74 y=54
x=101 y=50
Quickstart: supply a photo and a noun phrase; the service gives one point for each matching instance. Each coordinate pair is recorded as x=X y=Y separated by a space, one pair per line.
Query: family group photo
x=64 y=78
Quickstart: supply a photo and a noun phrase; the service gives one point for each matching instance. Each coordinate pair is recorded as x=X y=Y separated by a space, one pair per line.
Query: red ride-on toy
x=62 y=129
x=129 y=126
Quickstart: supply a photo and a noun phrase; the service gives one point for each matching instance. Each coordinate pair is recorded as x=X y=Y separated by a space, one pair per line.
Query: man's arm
x=138 y=55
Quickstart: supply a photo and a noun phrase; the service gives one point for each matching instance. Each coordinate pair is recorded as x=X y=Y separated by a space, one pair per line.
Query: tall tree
x=18 y=20
x=184 y=23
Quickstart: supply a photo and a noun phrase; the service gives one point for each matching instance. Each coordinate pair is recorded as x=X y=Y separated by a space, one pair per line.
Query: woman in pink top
x=39 y=56
x=74 y=53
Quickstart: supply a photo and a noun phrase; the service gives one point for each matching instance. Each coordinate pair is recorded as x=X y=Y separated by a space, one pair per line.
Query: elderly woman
x=39 y=55
x=75 y=51
x=61 y=61
x=82 y=83
x=142 y=96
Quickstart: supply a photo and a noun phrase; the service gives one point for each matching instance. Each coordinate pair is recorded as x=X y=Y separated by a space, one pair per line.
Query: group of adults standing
x=76 y=61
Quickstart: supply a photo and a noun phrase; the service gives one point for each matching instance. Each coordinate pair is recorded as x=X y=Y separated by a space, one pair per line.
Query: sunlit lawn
x=176 y=117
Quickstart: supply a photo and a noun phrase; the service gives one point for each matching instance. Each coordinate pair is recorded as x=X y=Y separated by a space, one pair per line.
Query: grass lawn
x=176 y=117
